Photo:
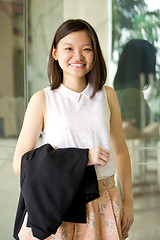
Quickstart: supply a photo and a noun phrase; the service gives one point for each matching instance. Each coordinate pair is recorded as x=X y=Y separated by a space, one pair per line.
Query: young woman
x=77 y=110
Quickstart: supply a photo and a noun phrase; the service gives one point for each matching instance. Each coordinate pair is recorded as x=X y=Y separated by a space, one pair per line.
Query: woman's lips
x=79 y=65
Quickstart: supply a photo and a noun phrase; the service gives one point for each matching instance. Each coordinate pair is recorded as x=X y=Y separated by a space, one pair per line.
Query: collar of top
x=87 y=92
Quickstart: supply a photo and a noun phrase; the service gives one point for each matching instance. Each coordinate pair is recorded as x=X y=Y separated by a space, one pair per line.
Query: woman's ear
x=54 y=53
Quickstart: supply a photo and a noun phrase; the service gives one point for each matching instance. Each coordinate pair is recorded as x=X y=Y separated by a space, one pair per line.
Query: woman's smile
x=74 y=54
x=77 y=65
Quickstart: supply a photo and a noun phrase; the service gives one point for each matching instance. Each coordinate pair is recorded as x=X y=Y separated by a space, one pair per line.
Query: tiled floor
x=147 y=218
x=147 y=206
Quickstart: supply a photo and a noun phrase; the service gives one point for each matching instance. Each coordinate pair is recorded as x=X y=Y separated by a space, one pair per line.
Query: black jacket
x=55 y=187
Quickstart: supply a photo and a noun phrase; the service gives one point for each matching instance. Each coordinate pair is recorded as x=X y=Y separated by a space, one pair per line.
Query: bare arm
x=122 y=160
x=31 y=129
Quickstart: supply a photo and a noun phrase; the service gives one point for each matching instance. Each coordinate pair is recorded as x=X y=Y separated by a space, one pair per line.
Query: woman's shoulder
x=111 y=93
x=38 y=100
x=38 y=96
x=112 y=97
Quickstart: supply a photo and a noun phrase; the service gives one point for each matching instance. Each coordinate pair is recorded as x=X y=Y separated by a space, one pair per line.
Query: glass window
x=42 y=25
x=136 y=79
x=11 y=106
x=12 y=68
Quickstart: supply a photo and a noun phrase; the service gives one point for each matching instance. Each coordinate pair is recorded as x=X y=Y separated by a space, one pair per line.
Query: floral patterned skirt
x=103 y=218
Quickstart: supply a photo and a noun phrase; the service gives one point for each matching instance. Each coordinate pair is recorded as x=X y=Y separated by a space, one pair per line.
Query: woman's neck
x=77 y=85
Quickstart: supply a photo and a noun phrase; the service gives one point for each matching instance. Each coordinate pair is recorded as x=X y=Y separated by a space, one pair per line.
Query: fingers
x=127 y=222
x=102 y=156
x=98 y=156
x=125 y=230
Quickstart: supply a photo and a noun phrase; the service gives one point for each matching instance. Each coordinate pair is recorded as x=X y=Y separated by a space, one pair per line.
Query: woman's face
x=74 y=54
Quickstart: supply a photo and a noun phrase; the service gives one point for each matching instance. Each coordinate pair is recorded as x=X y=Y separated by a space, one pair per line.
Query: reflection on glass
x=11 y=106
x=43 y=20
x=136 y=73
x=12 y=69
x=137 y=83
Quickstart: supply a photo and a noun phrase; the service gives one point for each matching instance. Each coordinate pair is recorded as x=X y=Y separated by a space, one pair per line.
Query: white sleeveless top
x=77 y=120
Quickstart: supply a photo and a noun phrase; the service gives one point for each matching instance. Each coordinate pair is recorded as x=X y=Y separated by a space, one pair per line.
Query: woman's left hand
x=127 y=218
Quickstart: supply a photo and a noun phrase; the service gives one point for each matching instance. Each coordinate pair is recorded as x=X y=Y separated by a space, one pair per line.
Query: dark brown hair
x=138 y=56
x=97 y=75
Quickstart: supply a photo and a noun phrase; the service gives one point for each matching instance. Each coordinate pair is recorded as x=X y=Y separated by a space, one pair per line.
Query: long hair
x=138 y=56
x=98 y=73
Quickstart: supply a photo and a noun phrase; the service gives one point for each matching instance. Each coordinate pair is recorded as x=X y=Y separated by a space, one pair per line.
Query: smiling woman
x=65 y=114
x=74 y=54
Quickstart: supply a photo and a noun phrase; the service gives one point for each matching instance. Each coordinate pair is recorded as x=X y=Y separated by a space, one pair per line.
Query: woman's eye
x=87 y=49
x=68 y=48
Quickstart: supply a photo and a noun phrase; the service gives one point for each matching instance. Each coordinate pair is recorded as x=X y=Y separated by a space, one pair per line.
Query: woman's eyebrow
x=86 y=44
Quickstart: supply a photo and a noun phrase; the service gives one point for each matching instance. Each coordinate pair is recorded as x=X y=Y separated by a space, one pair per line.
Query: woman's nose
x=78 y=55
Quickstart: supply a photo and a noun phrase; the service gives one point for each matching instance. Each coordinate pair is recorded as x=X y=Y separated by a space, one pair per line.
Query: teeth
x=77 y=64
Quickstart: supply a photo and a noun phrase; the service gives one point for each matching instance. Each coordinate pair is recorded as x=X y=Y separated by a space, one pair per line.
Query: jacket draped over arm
x=55 y=184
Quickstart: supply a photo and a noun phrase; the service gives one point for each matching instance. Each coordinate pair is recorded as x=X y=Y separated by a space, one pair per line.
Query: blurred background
x=129 y=34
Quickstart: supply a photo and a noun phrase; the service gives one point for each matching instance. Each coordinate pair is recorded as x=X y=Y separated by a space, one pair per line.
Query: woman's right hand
x=98 y=156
